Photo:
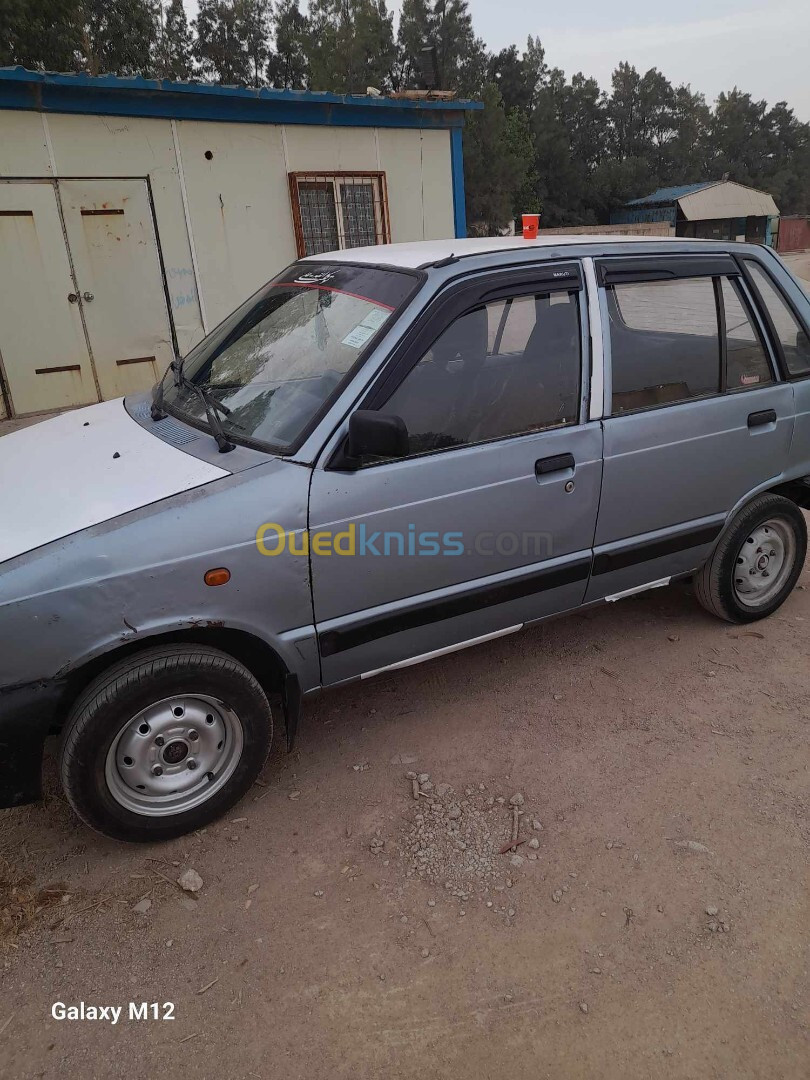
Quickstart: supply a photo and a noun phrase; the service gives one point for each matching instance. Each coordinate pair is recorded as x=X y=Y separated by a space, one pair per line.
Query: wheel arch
x=259 y=658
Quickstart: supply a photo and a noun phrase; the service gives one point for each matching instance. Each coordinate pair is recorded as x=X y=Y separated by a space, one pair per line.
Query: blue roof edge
x=135 y=95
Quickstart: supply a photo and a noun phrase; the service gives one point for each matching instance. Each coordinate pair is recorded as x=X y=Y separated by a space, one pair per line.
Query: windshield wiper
x=212 y=407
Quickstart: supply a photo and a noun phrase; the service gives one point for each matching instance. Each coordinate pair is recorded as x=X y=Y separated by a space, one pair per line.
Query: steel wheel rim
x=174 y=755
x=764 y=563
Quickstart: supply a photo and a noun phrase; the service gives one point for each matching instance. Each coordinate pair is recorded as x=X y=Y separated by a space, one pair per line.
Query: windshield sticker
x=375 y=318
x=314 y=278
x=357 y=338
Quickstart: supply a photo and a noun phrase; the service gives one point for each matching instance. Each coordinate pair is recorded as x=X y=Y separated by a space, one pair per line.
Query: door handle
x=557 y=463
x=759 y=419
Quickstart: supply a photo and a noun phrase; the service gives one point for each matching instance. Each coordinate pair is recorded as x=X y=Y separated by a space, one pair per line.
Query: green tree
x=40 y=34
x=219 y=43
x=255 y=31
x=173 y=60
x=119 y=36
x=287 y=66
x=497 y=160
x=461 y=57
x=350 y=45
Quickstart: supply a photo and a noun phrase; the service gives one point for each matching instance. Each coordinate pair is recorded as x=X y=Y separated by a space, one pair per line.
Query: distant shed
x=712 y=210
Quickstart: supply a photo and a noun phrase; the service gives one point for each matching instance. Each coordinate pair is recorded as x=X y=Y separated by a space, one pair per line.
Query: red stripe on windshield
x=329 y=288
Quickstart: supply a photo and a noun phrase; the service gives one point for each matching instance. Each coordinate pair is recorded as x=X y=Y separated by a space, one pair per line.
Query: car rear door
x=488 y=522
x=696 y=418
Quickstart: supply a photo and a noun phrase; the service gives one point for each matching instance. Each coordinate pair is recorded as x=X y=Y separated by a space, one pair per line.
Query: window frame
x=643 y=269
x=455 y=299
x=761 y=307
x=374 y=178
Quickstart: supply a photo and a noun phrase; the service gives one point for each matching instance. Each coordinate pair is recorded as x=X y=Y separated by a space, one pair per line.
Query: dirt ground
x=665 y=755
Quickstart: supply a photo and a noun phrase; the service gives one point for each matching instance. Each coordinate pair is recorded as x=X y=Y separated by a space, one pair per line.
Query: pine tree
x=219 y=45
x=461 y=57
x=350 y=45
x=497 y=160
x=174 y=47
x=119 y=36
x=254 y=22
x=287 y=67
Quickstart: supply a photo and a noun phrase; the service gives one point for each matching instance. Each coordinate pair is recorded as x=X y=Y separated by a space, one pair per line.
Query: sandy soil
x=311 y=953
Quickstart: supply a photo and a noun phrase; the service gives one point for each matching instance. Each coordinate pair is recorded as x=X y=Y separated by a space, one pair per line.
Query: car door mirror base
x=372 y=434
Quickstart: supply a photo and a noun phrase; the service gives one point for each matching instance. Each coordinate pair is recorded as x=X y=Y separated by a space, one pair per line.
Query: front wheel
x=756 y=565
x=164 y=742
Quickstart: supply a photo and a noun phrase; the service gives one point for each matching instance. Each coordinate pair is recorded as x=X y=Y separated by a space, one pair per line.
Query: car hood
x=82 y=468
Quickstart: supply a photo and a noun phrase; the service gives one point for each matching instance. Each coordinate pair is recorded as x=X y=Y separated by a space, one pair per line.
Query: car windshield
x=272 y=365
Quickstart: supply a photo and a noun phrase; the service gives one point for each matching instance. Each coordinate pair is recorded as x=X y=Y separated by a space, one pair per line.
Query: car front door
x=487 y=523
x=695 y=419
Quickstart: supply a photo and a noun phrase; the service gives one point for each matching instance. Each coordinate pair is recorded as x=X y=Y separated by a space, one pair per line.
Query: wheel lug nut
x=159 y=741
x=157 y=770
x=192 y=764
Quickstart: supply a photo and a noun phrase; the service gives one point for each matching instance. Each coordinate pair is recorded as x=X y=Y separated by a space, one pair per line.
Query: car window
x=504 y=368
x=746 y=360
x=664 y=342
x=794 y=340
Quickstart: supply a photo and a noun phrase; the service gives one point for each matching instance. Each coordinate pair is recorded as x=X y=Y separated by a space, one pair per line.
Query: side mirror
x=376 y=434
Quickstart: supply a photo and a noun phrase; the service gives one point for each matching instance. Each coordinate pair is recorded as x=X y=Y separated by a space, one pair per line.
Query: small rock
x=674 y=637
x=142 y=906
x=511 y=913
x=557 y=896
x=711 y=910
x=516 y=800
x=443 y=790
x=294 y=795
x=558 y=697
x=410 y=775
x=454 y=813
x=425 y=953
x=426 y=786
x=532 y=856
x=404 y=759
x=724 y=926
x=661 y=907
x=190 y=881
x=318 y=893
x=537 y=825
x=423 y=777
x=534 y=843
x=693 y=846
x=583 y=1007
x=431 y=903
x=596 y=971
x=517 y=860
x=714 y=926
x=169 y=943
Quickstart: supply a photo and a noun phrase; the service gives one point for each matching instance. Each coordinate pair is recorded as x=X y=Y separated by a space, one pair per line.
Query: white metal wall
x=225 y=222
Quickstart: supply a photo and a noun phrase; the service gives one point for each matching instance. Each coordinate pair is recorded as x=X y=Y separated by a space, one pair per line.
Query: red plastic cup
x=531 y=223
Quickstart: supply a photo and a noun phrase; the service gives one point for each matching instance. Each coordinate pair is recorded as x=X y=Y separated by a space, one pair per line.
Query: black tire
x=108 y=704
x=715 y=582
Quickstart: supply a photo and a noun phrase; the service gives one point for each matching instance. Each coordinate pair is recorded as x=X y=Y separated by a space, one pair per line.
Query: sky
x=712 y=45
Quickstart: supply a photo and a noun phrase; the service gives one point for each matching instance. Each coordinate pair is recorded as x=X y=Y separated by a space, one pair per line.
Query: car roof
x=426 y=252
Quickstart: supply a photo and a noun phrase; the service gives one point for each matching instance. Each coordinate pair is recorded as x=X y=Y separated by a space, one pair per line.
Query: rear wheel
x=164 y=742
x=755 y=566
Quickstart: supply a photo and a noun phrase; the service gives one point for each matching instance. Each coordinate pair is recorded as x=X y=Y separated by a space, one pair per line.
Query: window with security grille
x=338 y=210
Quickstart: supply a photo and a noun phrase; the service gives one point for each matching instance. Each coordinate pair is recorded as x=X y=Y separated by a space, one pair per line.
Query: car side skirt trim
x=607 y=561
x=337 y=641
x=443 y=652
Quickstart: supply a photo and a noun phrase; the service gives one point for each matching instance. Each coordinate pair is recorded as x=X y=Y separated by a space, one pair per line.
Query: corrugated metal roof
x=671 y=194
x=55 y=80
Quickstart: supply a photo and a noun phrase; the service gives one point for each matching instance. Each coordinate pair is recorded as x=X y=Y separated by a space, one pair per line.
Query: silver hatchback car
x=385 y=455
